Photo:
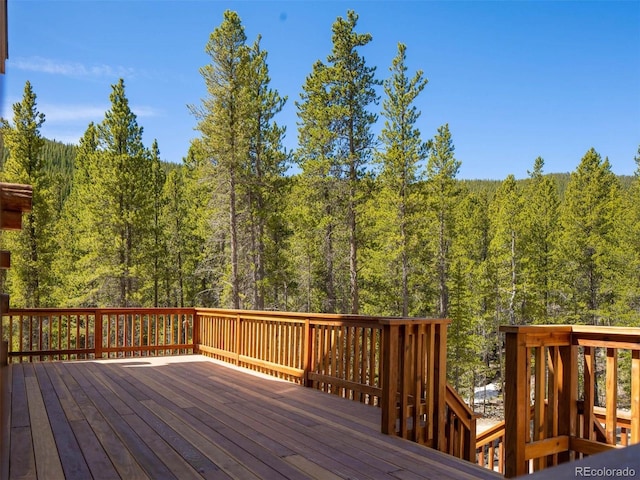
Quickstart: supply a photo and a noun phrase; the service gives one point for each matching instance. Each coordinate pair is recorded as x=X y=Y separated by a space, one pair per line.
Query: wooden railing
x=73 y=334
x=551 y=414
x=490 y=448
x=461 y=425
x=396 y=364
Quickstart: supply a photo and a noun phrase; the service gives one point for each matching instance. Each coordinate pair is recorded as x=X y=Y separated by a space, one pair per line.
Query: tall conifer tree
x=505 y=251
x=589 y=243
x=222 y=119
x=338 y=130
x=320 y=208
x=113 y=208
x=30 y=277
x=77 y=258
x=442 y=195
x=157 y=250
x=265 y=186
x=539 y=243
x=403 y=151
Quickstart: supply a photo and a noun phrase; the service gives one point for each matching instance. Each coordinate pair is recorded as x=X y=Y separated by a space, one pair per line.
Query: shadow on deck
x=193 y=417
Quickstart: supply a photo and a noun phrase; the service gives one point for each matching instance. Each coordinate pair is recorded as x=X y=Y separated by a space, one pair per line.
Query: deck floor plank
x=96 y=458
x=71 y=459
x=291 y=430
x=323 y=423
x=48 y=463
x=199 y=462
x=116 y=413
x=158 y=405
x=238 y=436
x=297 y=428
x=188 y=417
x=124 y=463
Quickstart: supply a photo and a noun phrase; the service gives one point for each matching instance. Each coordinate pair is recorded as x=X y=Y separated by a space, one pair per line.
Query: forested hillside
x=369 y=224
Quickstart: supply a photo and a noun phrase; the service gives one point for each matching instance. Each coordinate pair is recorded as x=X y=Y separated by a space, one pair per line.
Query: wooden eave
x=15 y=199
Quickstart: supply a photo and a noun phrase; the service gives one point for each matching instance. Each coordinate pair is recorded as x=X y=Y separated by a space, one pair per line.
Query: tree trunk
x=233 y=223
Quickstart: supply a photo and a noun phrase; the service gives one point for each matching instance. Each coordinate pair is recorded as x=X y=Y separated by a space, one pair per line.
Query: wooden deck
x=191 y=417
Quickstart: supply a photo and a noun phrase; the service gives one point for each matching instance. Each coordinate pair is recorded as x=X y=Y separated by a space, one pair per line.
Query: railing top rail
x=317 y=316
x=536 y=329
x=92 y=310
x=579 y=329
x=146 y=310
x=490 y=434
x=256 y=314
x=584 y=335
x=459 y=406
x=49 y=311
x=590 y=329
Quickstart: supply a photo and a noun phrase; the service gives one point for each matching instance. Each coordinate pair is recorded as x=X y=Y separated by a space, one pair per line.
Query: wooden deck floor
x=190 y=417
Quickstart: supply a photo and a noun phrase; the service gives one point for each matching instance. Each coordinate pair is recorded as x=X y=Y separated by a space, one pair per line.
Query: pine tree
x=222 y=120
x=75 y=261
x=442 y=196
x=633 y=230
x=467 y=344
x=335 y=132
x=539 y=243
x=627 y=307
x=264 y=185
x=113 y=208
x=505 y=252
x=30 y=278
x=590 y=249
x=183 y=236
x=157 y=249
x=403 y=151
x=318 y=216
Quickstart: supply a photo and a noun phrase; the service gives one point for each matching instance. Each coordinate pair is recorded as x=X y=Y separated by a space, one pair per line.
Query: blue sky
x=513 y=79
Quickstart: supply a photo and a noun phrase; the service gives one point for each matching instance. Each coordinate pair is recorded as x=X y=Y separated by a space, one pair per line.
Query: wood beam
x=5 y=259
x=15 y=197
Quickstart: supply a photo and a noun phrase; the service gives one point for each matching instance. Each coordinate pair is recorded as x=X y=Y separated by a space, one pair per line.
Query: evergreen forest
x=348 y=222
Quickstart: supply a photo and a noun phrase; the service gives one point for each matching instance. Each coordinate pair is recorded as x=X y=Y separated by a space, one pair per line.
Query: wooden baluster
x=635 y=396
x=567 y=372
x=552 y=398
x=430 y=388
x=589 y=392
x=611 y=401
x=21 y=328
x=539 y=399
x=307 y=351
x=97 y=328
x=195 y=331
x=238 y=339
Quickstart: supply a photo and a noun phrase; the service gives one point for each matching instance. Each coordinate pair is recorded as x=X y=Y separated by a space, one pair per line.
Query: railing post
x=567 y=395
x=516 y=403
x=611 y=385
x=195 y=336
x=390 y=339
x=589 y=392
x=306 y=352
x=97 y=333
x=238 y=339
x=440 y=387
x=635 y=396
